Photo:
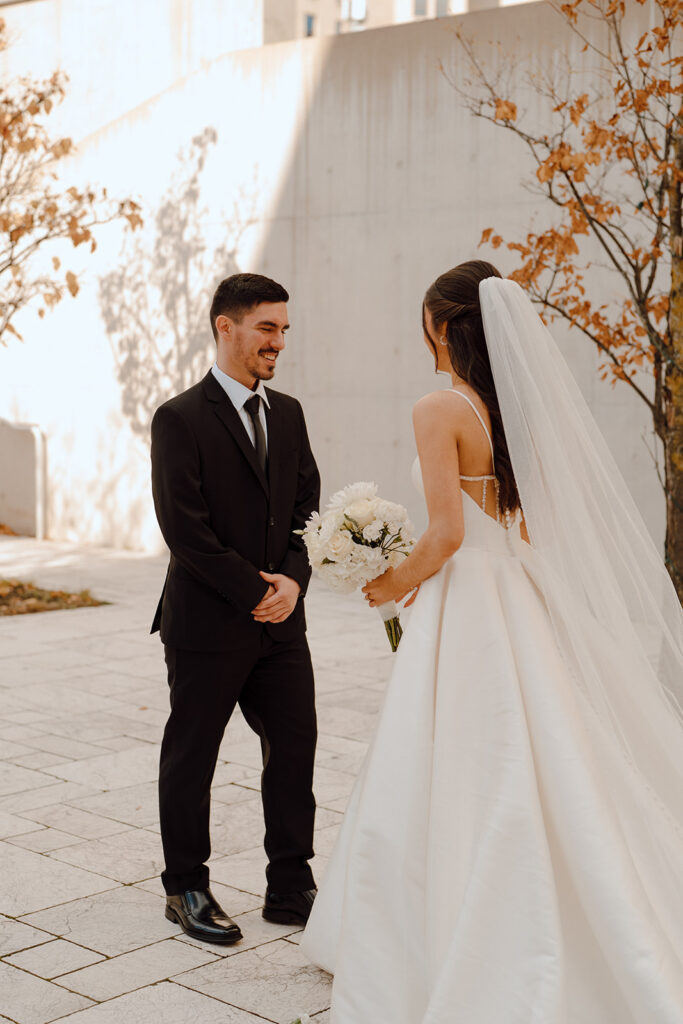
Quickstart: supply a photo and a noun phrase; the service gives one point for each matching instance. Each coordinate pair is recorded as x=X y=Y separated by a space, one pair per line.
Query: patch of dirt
x=18 y=598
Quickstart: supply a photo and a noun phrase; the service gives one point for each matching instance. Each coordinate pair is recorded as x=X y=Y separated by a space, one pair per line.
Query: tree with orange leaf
x=611 y=165
x=34 y=209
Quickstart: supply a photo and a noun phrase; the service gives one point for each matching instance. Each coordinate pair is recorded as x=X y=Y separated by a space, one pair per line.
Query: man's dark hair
x=239 y=293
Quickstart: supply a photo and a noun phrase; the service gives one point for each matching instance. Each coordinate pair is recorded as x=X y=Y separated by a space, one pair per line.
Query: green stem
x=394 y=632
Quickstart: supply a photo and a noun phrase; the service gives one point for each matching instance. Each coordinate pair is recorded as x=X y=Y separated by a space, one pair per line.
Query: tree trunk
x=673 y=443
x=673 y=447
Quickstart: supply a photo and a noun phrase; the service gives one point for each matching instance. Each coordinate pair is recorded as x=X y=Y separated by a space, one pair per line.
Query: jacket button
x=271 y=566
x=271 y=521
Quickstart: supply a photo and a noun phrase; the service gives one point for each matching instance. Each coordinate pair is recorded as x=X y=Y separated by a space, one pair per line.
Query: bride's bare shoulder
x=436 y=405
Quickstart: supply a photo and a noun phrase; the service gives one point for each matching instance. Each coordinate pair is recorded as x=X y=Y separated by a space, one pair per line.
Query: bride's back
x=475 y=452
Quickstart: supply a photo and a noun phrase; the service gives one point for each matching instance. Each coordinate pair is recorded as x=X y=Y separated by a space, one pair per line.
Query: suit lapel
x=230 y=418
x=275 y=423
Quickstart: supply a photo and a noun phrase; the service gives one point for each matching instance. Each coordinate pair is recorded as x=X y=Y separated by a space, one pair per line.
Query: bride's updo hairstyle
x=453 y=300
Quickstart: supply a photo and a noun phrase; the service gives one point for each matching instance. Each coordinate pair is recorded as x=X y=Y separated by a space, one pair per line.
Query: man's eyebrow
x=271 y=323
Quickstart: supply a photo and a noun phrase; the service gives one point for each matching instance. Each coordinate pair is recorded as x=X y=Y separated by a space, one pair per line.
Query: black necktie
x=252 y=406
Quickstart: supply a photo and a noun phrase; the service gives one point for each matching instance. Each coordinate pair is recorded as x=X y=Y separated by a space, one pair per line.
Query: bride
x=512 y=852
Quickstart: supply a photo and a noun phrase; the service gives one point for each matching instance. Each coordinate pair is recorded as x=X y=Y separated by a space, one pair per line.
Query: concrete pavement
x=83 y=701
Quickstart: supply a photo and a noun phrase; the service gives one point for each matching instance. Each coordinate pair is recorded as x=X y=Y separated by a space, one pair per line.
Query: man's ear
x=223 y=325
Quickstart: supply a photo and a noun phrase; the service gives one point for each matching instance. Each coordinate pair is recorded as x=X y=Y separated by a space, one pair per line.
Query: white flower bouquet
x=356 y=539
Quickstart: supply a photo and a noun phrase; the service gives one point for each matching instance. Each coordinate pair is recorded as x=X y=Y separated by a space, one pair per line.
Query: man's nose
x=278 y=341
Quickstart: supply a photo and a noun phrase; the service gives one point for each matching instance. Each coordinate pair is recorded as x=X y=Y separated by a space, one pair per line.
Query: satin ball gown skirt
x=500 y=862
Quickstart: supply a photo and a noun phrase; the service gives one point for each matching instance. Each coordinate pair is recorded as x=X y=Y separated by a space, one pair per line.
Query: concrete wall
x=346 y=168
x=22 y=478
x=286 y=19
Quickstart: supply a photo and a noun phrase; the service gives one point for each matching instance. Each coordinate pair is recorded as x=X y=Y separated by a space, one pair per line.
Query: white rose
x=361 y=511
x=331 y=523
x=339 y=546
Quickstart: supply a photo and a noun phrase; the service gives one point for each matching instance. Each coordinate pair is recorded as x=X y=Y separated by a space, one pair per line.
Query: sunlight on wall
x=120 y=55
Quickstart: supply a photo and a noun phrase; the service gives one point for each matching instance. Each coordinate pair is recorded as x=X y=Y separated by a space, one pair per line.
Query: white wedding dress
x=500 y=861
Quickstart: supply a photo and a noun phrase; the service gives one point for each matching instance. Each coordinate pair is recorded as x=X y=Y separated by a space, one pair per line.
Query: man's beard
x=259 y=372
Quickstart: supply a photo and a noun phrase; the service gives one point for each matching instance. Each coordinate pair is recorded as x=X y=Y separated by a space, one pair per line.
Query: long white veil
x=603 y=579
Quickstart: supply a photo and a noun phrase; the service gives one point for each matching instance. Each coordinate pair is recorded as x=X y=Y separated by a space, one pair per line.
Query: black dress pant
x=273 y=683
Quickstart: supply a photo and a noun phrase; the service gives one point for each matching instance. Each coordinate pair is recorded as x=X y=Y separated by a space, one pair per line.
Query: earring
x=442 y=341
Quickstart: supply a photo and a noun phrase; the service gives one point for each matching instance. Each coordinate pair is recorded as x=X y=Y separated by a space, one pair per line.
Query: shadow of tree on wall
x=155 y=305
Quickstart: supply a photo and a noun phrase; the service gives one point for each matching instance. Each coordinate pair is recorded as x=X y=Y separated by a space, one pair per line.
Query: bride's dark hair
x=453 y=299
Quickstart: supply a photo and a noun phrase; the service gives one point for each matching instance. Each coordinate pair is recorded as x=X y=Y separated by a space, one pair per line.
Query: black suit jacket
x=223 y=520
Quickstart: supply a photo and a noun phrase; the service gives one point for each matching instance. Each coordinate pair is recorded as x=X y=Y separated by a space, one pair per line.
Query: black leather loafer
x=199 y=915
x=290 y=907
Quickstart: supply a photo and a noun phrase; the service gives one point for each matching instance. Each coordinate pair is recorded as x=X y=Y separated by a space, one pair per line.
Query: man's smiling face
x=249 y=348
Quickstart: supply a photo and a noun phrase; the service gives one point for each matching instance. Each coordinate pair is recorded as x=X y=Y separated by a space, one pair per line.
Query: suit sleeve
x=184 y=518
x=295 y=563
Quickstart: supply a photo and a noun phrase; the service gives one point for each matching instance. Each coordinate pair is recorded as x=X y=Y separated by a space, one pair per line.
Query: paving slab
x=54 y=958
x=145 y=966
x=14 y=825
x=76 y=821
x=274 y=980
x=111 y=923
x=44 y=841
x=30 y=881
x=167 y=1002
x=137 y=806
x=15 y=936
x=30 y=1000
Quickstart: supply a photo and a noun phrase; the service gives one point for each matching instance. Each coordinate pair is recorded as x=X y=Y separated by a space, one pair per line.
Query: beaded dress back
x=488 y=476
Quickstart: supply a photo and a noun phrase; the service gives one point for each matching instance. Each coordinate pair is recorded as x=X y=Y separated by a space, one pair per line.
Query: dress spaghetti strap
x=490 y=476
x=481 y=420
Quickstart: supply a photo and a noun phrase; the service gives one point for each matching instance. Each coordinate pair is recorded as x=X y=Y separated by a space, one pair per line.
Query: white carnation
x=394 y=559
x=337 y=577
x=387 y=510
x=313 y=523
x=374 y=562
x=373 y=531
x=353 y=492
x=315 y=549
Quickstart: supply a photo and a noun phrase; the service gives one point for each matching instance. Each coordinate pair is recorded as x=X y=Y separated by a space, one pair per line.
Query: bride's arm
x=435 y=424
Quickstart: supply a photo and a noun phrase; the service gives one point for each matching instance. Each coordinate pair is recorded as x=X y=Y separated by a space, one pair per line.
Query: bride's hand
x=381 y=590
x=413 y=595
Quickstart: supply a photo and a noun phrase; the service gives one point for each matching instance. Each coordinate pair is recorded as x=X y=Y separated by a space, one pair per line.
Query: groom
x=233 y=477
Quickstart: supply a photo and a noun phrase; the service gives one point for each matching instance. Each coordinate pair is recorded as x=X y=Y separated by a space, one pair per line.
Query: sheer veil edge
x=615 y=612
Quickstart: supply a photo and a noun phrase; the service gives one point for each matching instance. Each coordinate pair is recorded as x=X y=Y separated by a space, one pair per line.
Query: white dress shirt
x=239 y=394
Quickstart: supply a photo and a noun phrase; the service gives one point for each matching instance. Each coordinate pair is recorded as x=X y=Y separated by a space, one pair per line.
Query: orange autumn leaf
x=578 y=107
x=505 y=110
